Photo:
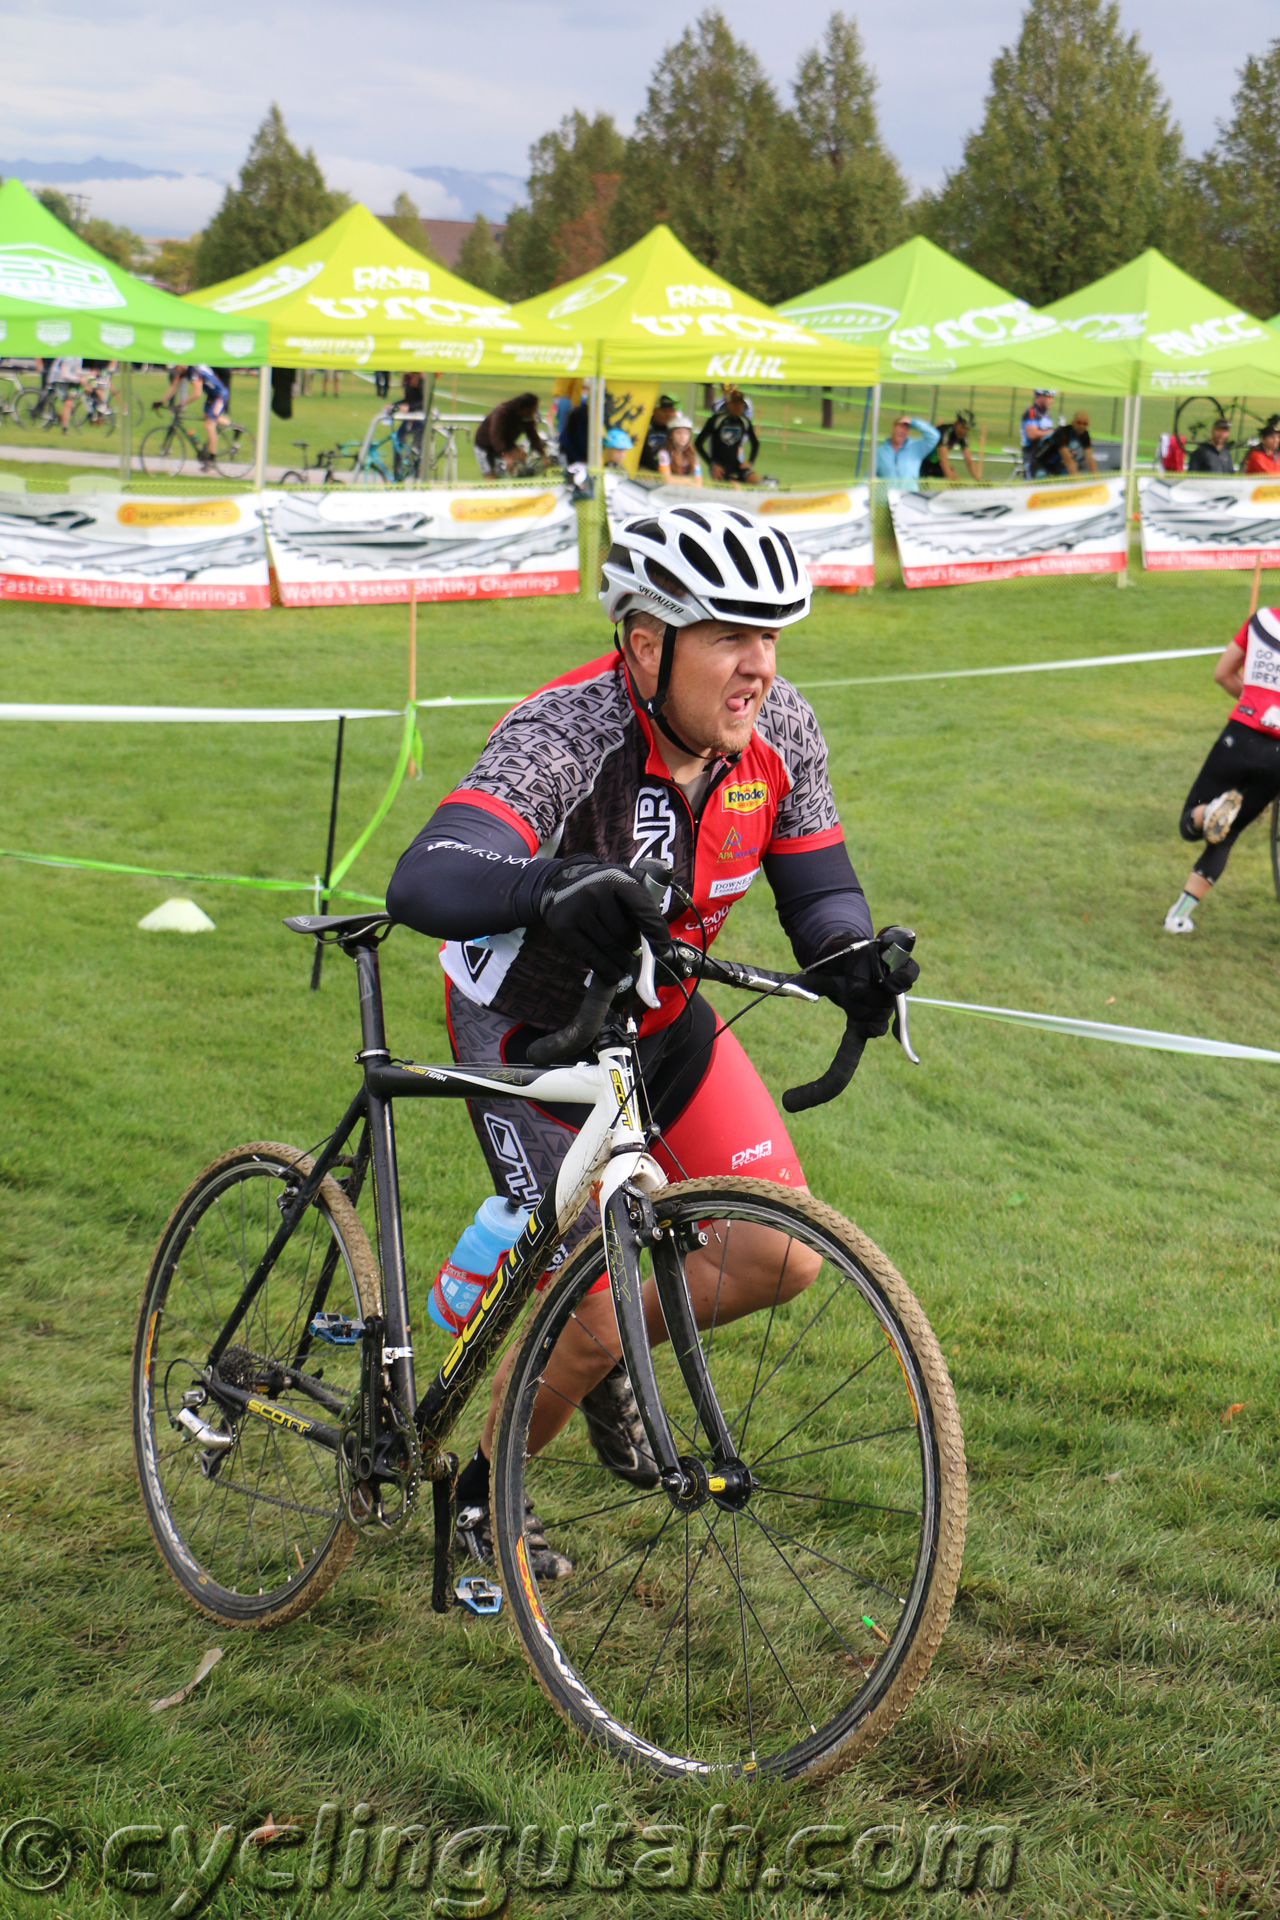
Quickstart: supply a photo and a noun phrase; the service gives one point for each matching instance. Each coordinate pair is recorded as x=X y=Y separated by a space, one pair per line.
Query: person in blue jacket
x=899 y=457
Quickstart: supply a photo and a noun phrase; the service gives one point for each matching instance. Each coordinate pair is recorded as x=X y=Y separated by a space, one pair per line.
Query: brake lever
x=901 y=1031
x=646 y=985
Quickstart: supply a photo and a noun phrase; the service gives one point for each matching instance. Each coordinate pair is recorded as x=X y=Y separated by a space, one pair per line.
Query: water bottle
x=474 y=1261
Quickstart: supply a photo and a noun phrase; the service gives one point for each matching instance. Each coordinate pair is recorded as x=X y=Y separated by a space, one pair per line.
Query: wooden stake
x=1257 y=577
x=413 y=656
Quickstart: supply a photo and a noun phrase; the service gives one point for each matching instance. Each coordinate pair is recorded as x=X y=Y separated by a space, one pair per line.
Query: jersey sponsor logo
x=745 y=796
x=736 y=848
x=748 y=1156
x=508 y=1147
x=732 y=884
x=654 y=825
x=476 y=955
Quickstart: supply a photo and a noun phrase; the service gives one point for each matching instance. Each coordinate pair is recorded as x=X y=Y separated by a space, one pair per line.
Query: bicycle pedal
x=478 y=1595
x=337 y=1329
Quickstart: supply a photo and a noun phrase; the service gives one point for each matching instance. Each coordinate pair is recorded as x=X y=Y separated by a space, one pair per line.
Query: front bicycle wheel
x=781 y=1626
x=166 y=449
x=236 y=450
x=255 y=1532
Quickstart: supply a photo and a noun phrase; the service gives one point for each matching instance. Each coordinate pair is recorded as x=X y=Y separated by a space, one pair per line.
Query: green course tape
x=408 y=738
x=171 y=873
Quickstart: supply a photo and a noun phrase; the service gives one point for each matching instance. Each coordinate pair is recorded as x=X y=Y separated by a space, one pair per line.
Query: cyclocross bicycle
x=770 y=1605
x=174 y=441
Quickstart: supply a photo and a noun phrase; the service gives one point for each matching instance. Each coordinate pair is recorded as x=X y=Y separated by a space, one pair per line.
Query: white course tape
x=1033 y=666
x=282 y=716
x=1099 y=1030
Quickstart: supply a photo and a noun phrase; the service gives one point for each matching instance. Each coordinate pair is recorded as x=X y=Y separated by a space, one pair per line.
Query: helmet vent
x=687 y=513
x=773 y=563
x=664 y=581
x=706 y=566
x=739 y=555
x=741 y=518
x=785 y=544
x=647 y=530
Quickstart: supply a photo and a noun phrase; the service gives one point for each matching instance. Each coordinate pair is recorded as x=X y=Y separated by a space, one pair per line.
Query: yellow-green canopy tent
x=358 y=296
x=656 y=313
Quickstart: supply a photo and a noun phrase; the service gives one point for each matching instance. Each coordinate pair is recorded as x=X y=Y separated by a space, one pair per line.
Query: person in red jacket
x=1241 y=776
x=1265 y=457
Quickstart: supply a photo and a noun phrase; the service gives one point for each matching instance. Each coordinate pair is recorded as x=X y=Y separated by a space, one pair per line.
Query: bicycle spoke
x=860 y=1579
x=830 y=1499
x=625 y=1591
x=858 y=1440
x=801 y=1584
x=682 y=1608
x=821 y=1404
x=745 y=1600
x=774 y=1371
x=594 y=1513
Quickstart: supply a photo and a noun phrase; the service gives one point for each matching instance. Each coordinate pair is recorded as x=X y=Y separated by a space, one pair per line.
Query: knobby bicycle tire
x=234 y=1539
x=787 y=1636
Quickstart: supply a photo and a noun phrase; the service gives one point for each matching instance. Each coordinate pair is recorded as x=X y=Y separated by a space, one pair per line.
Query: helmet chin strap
x=653 y=707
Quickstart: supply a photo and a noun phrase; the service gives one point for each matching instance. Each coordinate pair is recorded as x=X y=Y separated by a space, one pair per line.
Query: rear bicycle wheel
x=34 y=408
x=784 y=1630
x=256 y=1532
x=164 y=445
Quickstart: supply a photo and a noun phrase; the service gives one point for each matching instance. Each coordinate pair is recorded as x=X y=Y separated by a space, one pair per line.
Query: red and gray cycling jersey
x=576 y=769
x=1259 y=702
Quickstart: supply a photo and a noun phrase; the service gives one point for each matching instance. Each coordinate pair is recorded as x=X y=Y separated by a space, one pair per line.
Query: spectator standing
x=617 y=445
x=1265 y=457
x=900 y=458
x=575 y=435
x=656 y=434
x=498 y=437
x=725 y=436
x=413 y=399
x=1037 y=424
x=677 y=458
x=68 y=374
x=1214 y=454
x=381 y=383
x=1066 y=449
x=954 y=438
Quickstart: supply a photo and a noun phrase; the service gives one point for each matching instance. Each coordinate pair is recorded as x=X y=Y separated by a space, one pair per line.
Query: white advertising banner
x=120 y=550
x=1217 y=521
x=357 y=548
x=963 y=534
x=830 y=529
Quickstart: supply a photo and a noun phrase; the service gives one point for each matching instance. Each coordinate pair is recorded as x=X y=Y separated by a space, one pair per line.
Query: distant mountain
x=53 y=172
x=492 y=194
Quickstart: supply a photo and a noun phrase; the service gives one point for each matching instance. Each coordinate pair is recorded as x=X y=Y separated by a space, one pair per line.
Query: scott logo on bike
x=279 y=1417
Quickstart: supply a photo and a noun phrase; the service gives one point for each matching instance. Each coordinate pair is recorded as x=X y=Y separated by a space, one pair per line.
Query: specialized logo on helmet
x=745 y=796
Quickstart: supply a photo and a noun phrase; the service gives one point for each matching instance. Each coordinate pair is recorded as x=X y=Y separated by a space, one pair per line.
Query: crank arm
x=624 y=1220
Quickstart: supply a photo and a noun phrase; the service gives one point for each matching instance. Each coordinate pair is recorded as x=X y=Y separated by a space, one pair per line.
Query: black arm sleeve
x=755 y=443
x=467 y=874
x=703 y=441
x=818 y=898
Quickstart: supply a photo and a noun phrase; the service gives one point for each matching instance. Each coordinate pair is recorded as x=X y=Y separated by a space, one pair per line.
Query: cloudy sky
x=394 y=84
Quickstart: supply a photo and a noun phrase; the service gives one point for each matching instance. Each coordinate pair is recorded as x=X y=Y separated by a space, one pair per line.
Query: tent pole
x=126 y=421
x=595 y=416
x=1122 y=578
x=871 y=474
x=264 y=427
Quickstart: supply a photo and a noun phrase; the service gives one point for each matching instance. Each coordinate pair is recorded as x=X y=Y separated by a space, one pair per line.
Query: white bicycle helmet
x=687 y=564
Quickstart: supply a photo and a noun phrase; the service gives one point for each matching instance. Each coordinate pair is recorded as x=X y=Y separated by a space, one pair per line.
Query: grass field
x=1091 y=1229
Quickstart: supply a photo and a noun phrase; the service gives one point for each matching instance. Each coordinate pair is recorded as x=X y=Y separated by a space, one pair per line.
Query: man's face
x=899 y=431
x=719 y=678
x=737 y=405
x=1042 y=403
x=1220 y=433
x=662 y=415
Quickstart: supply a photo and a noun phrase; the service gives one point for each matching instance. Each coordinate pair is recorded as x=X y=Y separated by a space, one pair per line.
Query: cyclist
x=681 y=745
x=216 y=394
x=1241 y=776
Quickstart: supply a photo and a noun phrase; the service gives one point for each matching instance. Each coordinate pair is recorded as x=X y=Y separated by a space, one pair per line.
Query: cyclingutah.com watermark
x=475 y=1871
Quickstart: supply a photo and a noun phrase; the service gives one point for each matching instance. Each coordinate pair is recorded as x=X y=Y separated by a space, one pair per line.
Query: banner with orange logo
x=962 y=534
x=830 y=529
x=114 y=550
x=353 y=548
x=1217 y=521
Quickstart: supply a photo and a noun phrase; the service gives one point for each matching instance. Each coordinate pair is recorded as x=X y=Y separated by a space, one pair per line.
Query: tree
x=281 y=201
x=174 y=264
x=120 y=244
x=58 y=205
x=1239 y=179
x=1077 y=165
x=825 y=194
x=406 y=223
x=694 y=158
x=573 y=176
x=480 y=261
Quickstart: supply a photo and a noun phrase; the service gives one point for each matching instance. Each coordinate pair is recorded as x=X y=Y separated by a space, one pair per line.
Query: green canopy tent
x=58 y=296
x=936 y=320
x=357 y=295
x=1166 y=334
x=656 y=313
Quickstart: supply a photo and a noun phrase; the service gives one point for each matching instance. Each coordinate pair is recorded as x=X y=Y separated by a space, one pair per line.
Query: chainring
x=364 y=1501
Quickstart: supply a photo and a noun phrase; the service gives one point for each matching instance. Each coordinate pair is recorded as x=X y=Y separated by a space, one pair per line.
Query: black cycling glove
x=862 y=986
x=598 y=913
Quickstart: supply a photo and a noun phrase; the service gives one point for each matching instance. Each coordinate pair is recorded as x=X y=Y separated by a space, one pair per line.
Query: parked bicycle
x=770 y=1605
x=173 y=441
x=337 y=465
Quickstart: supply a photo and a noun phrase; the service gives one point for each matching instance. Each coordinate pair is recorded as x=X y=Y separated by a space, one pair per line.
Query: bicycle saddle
x=336 y=926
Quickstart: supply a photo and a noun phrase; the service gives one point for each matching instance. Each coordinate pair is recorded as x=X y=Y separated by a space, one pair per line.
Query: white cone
x=177 y=916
